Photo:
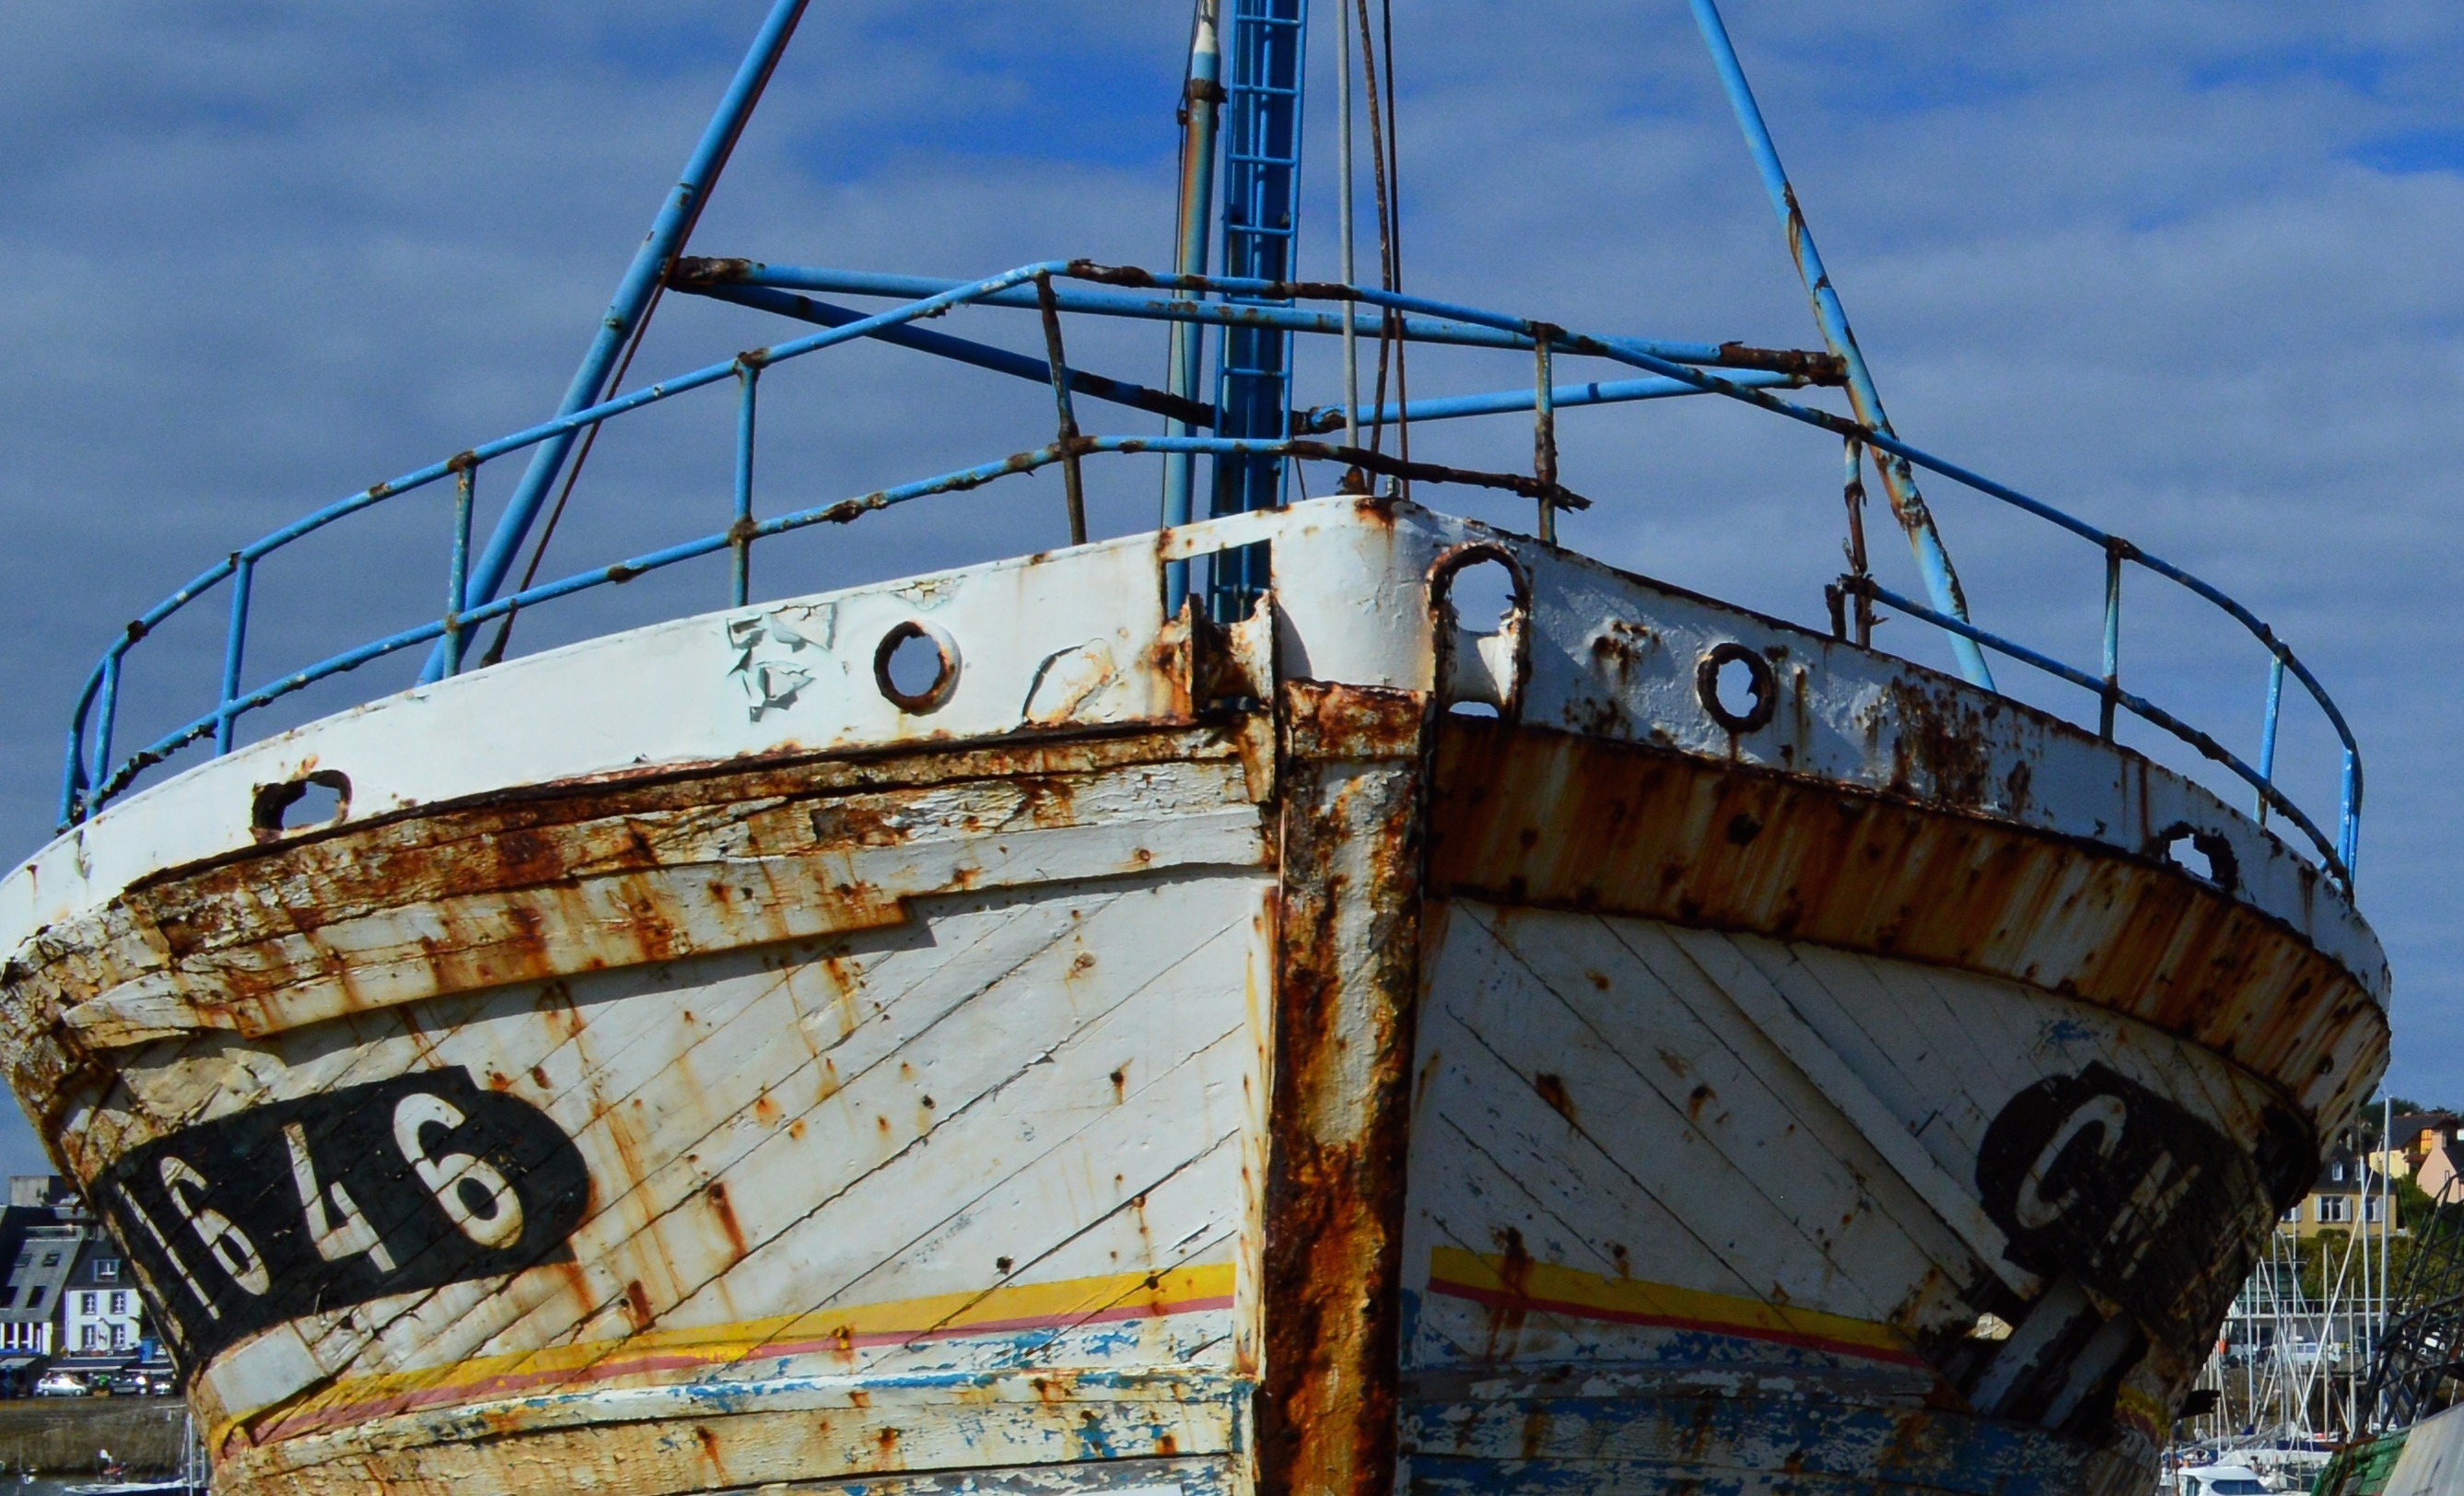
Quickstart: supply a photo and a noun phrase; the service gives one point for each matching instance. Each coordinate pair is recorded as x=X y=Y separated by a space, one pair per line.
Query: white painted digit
x=226 y=1243
x=338 y=1229
x=456 y=1177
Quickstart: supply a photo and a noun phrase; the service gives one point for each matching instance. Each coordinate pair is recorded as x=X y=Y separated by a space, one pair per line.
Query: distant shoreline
x=59 y=1436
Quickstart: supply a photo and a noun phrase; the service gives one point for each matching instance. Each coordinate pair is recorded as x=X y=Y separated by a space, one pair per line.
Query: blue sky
x=2187 y=270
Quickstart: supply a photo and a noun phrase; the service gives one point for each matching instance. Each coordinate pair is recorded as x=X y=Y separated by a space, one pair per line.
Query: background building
x=68 y=1302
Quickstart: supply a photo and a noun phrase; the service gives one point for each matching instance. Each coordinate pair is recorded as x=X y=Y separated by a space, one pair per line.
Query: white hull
x=719 y=1076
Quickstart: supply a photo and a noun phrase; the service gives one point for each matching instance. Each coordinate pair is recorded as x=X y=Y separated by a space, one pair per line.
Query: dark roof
x=47 y=1253
x=100 y=1249
x=2344 y=1172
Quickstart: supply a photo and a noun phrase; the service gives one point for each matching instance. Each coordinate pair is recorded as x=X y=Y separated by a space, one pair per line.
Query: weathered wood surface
x=1714 y=1158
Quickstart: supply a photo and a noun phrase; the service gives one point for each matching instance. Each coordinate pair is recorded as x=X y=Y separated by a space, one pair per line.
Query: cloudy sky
x=2187 y=270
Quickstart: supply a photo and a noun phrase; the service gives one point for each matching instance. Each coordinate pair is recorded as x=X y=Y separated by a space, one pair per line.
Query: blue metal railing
x=92 y=776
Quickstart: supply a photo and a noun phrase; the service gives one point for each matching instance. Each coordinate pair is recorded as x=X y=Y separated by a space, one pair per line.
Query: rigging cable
x=1388 y=324
x=1395 y=243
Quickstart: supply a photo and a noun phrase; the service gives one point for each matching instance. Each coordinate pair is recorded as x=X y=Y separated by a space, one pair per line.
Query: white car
x=60 y=1384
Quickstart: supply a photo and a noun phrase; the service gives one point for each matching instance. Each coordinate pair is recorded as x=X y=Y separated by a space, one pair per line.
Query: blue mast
x=1261 y=151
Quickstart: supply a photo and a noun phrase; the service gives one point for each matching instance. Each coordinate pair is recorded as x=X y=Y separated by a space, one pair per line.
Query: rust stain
x=715 y=1192
x=1347 y=918
x=1514 y=1272
x=1632 y=829
x=1535 y=1432
x=532 y=884
x=1552 y=1090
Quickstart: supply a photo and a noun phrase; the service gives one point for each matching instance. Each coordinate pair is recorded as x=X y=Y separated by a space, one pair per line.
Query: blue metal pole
x=1200 y=104
x=234 y=647
x=2349 y=829
x=2112 y=639
x=2267 y=729
x=106 y=719
x=632 y=297
x=1898 y=480
x=1489 y=334
x=964 y=350
x=1502 y=402
x=741 y=533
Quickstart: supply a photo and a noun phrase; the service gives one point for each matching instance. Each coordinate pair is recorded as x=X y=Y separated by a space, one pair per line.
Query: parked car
x=60 y=1384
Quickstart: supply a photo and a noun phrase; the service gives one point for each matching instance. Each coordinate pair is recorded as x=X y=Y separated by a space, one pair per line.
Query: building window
x=119 y=1301
x=106 y=1270
x=2293 y=1217
x=2373 y=1210
x=2334 y=1209
x=2336 y=1172
x=51 y=1259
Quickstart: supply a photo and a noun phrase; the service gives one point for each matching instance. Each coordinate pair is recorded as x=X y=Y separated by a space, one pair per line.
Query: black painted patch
x=394 y=1187
x=2096 y=1176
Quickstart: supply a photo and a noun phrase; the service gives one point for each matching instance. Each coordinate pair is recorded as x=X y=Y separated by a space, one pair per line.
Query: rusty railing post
x=1544 y=433
x=2113 y=557
x=1073 y=482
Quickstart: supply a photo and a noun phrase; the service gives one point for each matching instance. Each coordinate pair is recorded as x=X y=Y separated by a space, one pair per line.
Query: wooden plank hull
x=1214 y=1065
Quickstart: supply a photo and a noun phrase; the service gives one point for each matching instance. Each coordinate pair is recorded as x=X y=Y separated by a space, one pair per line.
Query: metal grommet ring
x=1759 y=680
x=945 y=679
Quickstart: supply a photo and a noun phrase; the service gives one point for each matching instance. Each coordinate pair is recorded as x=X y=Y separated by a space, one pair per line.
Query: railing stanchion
x=2348 y=835
x=1544 y=433
x=457 y=569
x=2112 y=639
x=739 y=535
x=234 y=648
x=106 y=717
x=1852 y=496
x=1073 y=484
x=2267 y=729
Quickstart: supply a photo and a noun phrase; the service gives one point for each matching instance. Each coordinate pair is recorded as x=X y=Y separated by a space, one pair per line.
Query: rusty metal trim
x=1347 y=987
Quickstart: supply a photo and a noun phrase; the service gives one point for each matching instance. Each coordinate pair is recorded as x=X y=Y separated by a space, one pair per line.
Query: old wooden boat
x=1211 y=1010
